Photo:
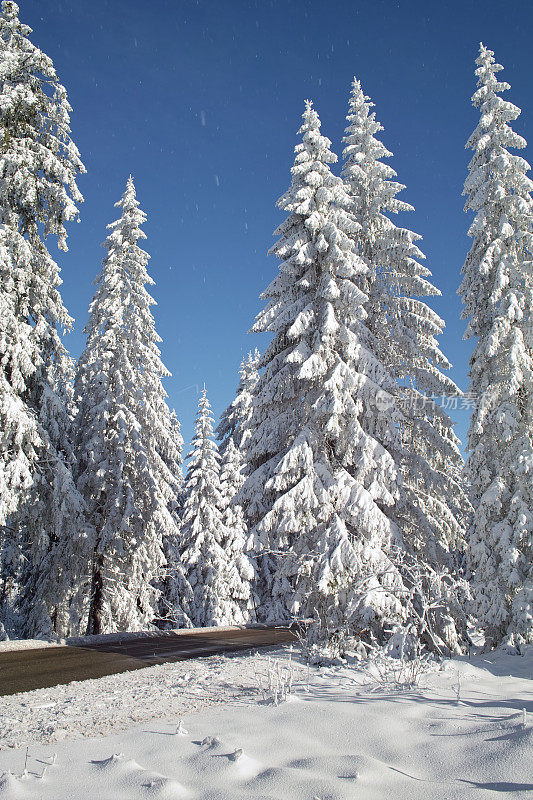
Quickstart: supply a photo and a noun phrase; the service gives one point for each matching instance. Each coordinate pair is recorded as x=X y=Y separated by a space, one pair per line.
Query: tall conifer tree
x=235 y=420
x=433 y=510
x=128 y=447
x=40 y=510
x=497 y=292
x=406 y=331
x=240 y=567
x=321 y=484
x=202 y=530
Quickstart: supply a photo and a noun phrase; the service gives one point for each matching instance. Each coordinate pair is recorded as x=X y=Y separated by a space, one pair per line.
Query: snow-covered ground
x=24 y=644
x=459 y=734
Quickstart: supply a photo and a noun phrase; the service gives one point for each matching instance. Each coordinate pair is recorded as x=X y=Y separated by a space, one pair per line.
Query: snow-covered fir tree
x=128 y=443
x=234 y=434
x=202 y=528
x=235 y=420
x=497 y=292
x=240 y=567
x=434 y=508
x=321 y=484
x=406 y=330
x=173 y=586
x=40 y=508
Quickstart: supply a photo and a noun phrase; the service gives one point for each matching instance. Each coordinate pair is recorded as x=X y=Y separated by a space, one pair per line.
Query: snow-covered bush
x=275 y=685
x=400 y=666
x=432 y=615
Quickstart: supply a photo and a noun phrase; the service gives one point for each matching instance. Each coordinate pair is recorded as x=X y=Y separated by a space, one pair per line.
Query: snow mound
x=130 y=775
x=117 y=763
x=11 y=786
x=162 y=788
x=345 y=767
x=244 y=766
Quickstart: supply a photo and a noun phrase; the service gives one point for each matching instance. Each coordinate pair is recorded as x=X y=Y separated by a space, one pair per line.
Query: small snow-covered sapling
x=457 y=688
x=25 y=770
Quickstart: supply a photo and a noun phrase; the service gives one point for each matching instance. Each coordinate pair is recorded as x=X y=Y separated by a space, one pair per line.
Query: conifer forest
x=333 y=490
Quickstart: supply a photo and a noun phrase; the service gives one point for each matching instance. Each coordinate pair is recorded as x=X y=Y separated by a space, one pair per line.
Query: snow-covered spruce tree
x=174 y=586
x=434 y=510
x=40 y=508
x=202 y=528
x=127 y=447
x=497 y=292
x=234 y=434
x=240 y=567
x=321 y=484
x=234 y=421
x=406 y=330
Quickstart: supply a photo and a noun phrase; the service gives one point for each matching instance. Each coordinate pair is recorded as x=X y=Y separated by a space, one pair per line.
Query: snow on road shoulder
x=103 y=638
x=98 y=707
x=10 y=645
x=79 y=641
x=210 y=736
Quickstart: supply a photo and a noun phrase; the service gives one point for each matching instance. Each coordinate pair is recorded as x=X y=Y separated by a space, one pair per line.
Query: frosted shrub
x=276 y=685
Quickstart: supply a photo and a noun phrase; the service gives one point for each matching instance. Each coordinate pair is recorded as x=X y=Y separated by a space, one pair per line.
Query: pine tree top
x=388 y=247
x=370 y=180
x=498 y=191
x=126 y=230
x=496 y=113
x=313 y=186
x=203 y=430
x=486 y=73
x=235 y=418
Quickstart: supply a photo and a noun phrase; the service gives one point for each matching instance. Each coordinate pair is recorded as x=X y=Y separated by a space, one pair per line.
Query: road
x=24 y=670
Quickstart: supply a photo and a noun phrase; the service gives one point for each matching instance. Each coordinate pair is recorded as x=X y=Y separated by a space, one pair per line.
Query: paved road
x=23 y=670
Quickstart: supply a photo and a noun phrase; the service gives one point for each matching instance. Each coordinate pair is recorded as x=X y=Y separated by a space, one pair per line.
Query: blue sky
x=201 y=102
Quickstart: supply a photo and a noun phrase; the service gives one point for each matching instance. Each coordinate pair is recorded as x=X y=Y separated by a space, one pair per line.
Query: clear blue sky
x=201 y=102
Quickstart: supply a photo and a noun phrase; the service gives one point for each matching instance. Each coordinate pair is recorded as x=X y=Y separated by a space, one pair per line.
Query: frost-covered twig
x=276 y=685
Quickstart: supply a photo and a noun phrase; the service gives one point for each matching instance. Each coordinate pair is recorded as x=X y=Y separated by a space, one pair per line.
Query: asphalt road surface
x=24 y=670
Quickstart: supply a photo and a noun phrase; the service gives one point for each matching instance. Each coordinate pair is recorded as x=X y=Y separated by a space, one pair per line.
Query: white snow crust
x=346 y=737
